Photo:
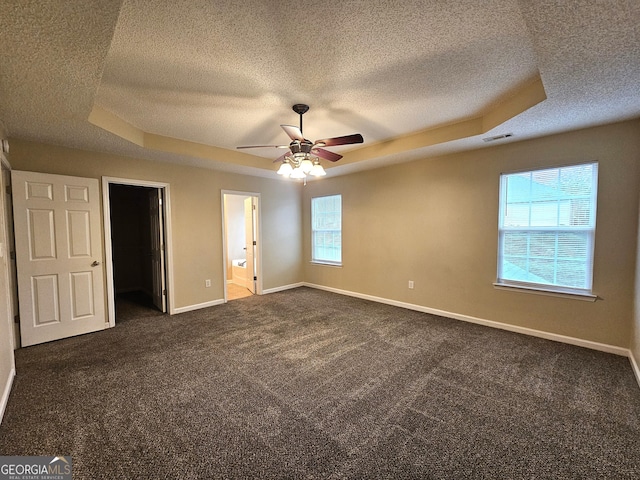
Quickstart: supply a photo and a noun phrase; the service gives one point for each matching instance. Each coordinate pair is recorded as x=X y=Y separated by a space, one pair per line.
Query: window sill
x=586 y=297
x=325 y=264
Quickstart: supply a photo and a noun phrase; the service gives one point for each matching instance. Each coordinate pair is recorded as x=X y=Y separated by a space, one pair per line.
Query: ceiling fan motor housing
x=300 y=147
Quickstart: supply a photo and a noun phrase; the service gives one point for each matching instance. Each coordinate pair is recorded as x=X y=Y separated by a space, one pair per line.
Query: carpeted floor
x=134 y=305
x=306 y=384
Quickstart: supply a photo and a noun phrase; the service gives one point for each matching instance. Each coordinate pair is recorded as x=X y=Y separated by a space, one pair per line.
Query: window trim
x=316 y=261
x=539 y=288
x=325 y=263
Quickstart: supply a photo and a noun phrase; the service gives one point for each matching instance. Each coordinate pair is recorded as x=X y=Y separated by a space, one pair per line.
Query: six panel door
x=59 y=256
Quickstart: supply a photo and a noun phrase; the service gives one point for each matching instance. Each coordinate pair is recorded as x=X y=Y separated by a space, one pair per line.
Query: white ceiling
x=226 y=73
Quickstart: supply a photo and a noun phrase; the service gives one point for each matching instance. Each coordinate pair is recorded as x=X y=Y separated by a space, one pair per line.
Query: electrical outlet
x=207 y=283
x=411 y=284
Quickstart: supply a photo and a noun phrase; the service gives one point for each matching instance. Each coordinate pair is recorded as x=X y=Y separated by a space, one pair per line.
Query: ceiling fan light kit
x=304 y=155
x=317 y=170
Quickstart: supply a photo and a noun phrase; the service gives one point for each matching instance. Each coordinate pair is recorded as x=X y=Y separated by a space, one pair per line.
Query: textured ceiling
x=184 y=74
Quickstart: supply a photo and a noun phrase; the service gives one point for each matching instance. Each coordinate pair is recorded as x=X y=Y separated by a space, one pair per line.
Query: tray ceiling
x=188 y=81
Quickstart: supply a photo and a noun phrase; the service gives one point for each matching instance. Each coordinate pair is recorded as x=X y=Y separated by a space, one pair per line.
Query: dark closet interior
x=131 y=244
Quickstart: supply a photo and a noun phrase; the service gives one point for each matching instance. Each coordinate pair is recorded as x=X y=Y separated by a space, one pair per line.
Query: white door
x=59 y=256
x=157 y=250
x=249 y=214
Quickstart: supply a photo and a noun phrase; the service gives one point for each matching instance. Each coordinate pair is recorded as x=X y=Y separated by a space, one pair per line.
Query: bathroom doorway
x=241 y=246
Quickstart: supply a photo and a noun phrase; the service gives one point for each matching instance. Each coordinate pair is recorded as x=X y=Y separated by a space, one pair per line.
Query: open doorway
x=137 y=240
x=241 y=245
x=138 y=259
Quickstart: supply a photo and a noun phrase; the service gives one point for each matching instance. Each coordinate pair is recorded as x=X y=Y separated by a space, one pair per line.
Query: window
x=547 y=228
x=326 y=229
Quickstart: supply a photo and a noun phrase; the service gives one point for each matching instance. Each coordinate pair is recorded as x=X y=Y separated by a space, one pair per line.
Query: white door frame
x=10 y=292
x=9 y=250
x=158 y=258
x=257 y=233
x=108 y=248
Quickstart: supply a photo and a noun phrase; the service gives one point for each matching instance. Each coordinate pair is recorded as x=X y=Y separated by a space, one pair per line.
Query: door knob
x=95 y=263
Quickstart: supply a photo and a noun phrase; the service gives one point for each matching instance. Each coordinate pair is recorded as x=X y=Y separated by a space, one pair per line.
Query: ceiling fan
x=300 y=160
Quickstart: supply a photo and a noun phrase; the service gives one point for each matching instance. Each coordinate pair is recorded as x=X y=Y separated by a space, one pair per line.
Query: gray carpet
x=134 y=305
x=312 y=385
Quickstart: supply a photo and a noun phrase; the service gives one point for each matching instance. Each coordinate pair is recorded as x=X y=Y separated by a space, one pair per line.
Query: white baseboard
x=190 y=308
x=488 y=323
x=5 y=394
x=284 y=287
x=456 y=316
x=634 y=366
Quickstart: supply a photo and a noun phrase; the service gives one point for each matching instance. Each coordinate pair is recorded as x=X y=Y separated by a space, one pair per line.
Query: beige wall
x=435 y=221
x=196 y=214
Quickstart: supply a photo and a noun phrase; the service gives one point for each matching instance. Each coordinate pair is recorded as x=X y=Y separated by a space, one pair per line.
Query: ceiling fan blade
x=280 y=158
x=264 y=146
x=346 y=140
x=294 y=132
x=326 y=154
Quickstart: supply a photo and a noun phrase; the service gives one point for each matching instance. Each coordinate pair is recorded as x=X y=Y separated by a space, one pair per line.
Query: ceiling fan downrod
x=300 y=109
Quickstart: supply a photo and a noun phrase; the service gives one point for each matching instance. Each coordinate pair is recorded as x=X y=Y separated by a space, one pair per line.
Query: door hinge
x=16 y=319
x=254 y=243
x=12 y=255
x=8 y=188
x=255 y=279
x=164 y=292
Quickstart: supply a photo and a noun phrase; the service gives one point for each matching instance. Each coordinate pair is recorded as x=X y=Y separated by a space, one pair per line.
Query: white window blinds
x=547 y=228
